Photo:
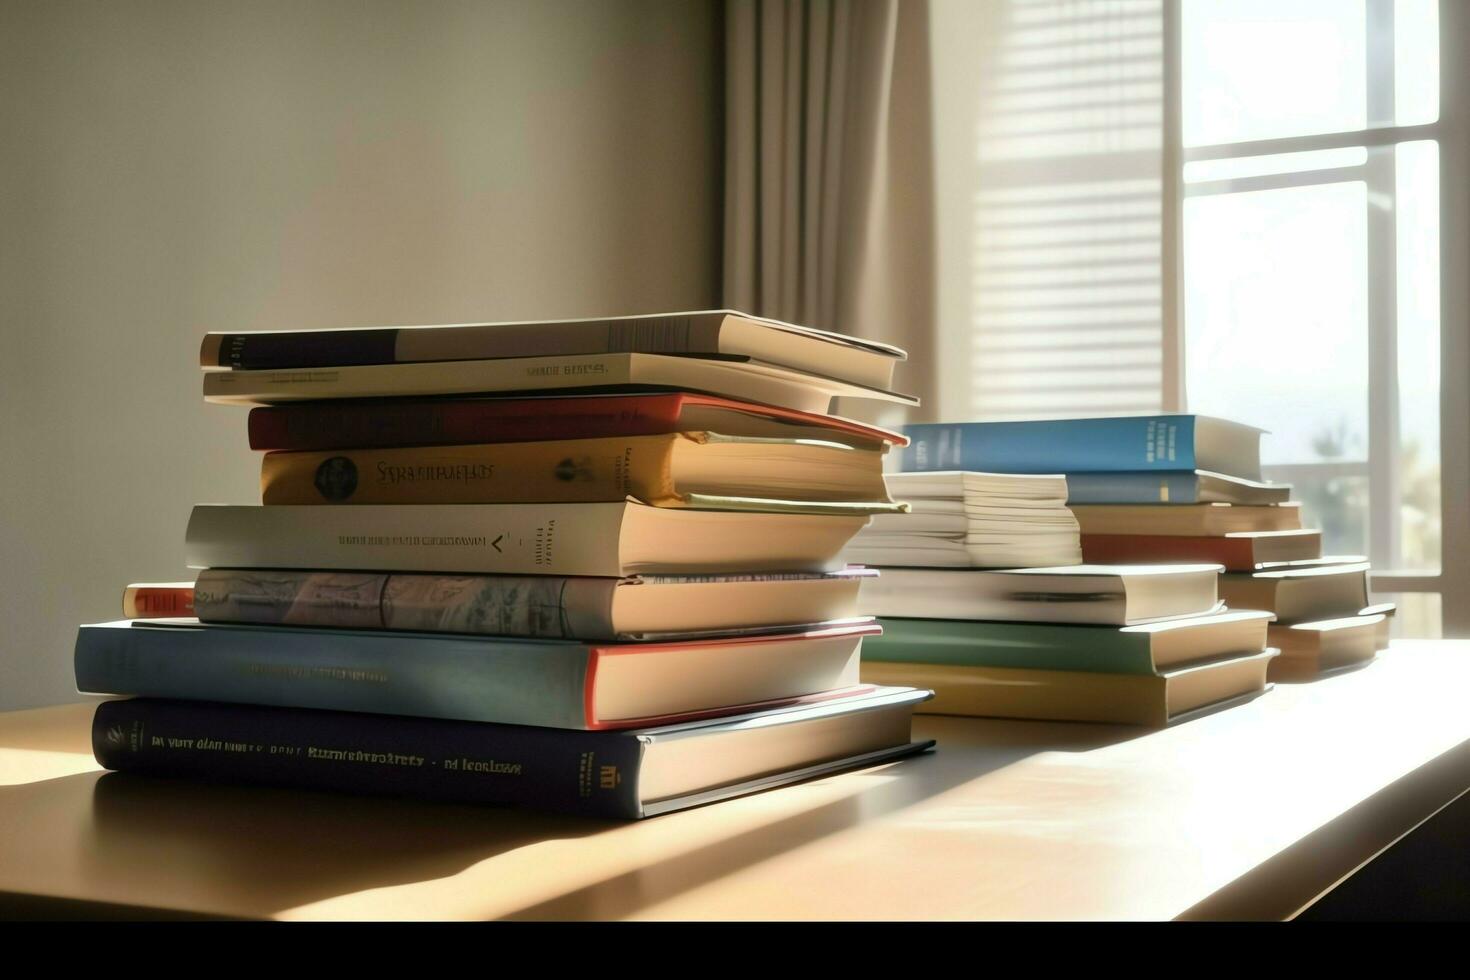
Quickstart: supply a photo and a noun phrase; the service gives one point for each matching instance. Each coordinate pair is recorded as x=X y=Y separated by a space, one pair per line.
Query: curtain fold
x=829 y=175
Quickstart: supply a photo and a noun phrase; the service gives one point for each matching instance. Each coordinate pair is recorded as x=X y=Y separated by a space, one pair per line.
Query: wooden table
x=1249 y=813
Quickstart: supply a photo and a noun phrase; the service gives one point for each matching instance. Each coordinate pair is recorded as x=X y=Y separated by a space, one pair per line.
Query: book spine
x=596 y=374
x=305 y=348
x=1236 y=554
x=1034 y=646
x=1132 y=488
x=150 y=601
x=350 y=425
x=340 y=348
x=1153 y=443
x=593 y=775
x=541 y=606
x=525 y=683
x=567 y=471
x=515 y=539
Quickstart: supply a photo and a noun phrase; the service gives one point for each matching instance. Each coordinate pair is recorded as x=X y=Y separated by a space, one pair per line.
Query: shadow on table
x=259 y=850
x=992 y=745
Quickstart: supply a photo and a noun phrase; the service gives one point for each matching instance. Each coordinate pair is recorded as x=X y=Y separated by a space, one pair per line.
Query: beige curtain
x=829 y=176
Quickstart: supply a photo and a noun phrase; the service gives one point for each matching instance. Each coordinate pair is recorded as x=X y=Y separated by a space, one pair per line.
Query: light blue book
x=1198 y=487
x=550 y=683
x=1148 y=443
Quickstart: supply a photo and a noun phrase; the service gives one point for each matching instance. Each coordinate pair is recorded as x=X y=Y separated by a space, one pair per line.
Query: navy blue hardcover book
x=624 y=775
x=1177 y=443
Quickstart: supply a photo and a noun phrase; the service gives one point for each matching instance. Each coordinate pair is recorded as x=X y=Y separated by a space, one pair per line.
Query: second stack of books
x=1013 y=625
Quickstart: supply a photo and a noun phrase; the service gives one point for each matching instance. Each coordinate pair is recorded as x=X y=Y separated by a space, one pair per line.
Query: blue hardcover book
x=623 y=774
x=1198 y=487
x=553 y=683
x=1151 y=443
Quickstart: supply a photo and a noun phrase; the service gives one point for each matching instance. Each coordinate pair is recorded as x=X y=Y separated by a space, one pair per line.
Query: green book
x=1144 y=649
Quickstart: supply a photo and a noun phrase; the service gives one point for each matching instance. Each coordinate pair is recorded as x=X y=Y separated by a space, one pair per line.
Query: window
x=1307 y=177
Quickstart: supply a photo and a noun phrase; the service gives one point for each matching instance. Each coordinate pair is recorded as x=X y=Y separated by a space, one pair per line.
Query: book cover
x=701 y=332
x=594 y=774
x=516 y=539
x=729 y=377
x=142 y=600
x=1196 y=487
x=679 y=469
x=1126 y=443
x=348 y=424
x=556 y=684
x=1243 y=551
x=1049 y=646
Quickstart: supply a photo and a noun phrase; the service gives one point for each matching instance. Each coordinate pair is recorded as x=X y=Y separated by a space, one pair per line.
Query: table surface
x=1251 y=812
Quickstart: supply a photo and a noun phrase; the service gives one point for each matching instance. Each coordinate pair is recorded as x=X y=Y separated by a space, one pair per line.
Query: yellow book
x=1310 y=649
x=1073 y=695
x=703 y=470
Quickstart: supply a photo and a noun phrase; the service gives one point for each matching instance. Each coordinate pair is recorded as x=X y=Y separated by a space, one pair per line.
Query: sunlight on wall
x=1050 y=127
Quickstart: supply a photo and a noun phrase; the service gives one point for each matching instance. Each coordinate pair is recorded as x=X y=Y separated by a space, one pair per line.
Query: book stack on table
x=1187 y=488
x=992 y=595
x=583 y=565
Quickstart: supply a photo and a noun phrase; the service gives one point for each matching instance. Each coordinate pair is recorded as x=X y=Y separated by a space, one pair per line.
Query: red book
x=1239 y=552
x=429 y=422
x=158 y=600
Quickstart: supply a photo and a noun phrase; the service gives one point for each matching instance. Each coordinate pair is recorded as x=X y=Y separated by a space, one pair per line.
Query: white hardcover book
x=516 y=539
x=743 y=379
x=1120 y=595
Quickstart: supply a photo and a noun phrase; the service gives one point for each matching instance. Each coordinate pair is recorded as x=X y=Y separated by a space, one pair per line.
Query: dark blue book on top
x=1135 y=443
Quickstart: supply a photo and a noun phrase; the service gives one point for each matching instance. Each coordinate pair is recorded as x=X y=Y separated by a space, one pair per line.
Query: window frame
x=1452 y=581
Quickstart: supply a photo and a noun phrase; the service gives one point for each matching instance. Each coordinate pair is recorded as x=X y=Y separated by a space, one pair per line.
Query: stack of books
x=983 y=598
x=1188 y=488
x=586 y=565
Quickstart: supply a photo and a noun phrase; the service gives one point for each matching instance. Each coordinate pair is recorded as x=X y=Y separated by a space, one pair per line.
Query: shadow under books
x=272 y=849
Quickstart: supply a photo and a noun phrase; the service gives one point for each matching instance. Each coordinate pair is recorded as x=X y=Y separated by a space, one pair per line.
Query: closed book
x=1145 y=649
x=602 y=373
x=1300 y=595
x=1197 y=487
x=705 y=470
x=516 y=539
x=547 y=606
x=620 y=775
x=1238 y=551
x=146 y=599
x=975 y=520
x=1153 y=443
x=348 y=424
x=1071 y=695
x=1189 y=520
x=1311 y=649
x=558 y=684
x=701 y=332
x=1108 y=595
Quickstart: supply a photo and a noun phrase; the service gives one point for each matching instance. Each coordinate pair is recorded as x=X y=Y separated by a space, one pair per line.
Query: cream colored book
x=1189 y=520
x=1300 y=595
x=614 y=539
x=1309 y=649
x=1070 y=695
x=741 y=379
x=1116 y=595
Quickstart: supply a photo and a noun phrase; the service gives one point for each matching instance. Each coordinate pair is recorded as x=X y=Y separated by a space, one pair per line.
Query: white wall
x=172 y=168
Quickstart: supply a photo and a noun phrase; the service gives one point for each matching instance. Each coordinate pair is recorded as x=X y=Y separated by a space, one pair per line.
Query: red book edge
x=632 y=649
x=258 y=416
